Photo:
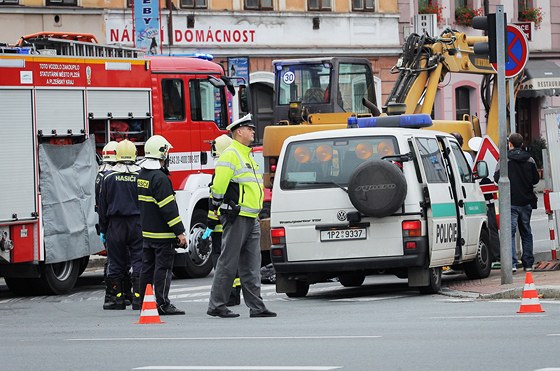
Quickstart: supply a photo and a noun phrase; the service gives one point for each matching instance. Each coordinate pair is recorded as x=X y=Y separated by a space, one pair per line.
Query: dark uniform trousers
x=124 y=242
x=157 y=268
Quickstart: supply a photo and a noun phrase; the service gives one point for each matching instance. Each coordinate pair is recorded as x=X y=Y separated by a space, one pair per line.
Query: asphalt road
x=382 y=325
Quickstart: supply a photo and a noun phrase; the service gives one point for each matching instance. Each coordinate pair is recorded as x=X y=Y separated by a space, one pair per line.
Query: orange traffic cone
x=149 y=313
x=530 y=298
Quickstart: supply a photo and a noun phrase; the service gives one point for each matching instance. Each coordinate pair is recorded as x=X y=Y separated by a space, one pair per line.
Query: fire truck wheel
x=197 y=263
x=377 y=188
x=59 y=278
x=83 y=264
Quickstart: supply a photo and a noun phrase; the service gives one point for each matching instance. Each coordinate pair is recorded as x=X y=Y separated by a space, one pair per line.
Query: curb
x=544 y=292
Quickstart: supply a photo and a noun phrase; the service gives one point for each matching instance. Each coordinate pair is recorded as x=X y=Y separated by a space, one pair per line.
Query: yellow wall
x=388 y=6
x=222 y=4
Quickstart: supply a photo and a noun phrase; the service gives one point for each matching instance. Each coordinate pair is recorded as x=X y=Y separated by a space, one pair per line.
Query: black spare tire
x=377 y=188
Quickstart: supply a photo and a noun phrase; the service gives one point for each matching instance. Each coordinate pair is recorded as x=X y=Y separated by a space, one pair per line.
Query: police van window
x=208 y=103
x=462 y=164
x=328 y=163
x=432 y=160
x=173 y=100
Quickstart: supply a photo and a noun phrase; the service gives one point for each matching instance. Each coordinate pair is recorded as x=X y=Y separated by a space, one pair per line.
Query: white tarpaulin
x=67 y=185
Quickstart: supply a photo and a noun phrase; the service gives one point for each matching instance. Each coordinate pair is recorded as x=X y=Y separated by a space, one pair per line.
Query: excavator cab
x=321 y=86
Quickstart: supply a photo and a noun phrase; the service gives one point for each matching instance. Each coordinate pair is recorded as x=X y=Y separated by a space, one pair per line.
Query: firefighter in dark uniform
x=109 y=157
x=214 y=227
x=119 y=220
x=162 y=227
x=237 y=190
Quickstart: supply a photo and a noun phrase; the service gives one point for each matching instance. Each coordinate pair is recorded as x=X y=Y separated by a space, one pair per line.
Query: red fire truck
x=62 y=98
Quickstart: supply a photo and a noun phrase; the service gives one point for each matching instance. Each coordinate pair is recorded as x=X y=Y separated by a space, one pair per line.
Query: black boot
x=109 y=302
x=234 y=297
x=116 y=291
x=127 y=290
x=136 y=297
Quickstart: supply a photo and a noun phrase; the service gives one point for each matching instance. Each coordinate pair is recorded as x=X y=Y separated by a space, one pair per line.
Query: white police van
x=384 y=196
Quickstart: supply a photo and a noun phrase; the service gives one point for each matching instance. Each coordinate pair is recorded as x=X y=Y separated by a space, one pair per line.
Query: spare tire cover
x=377 y=188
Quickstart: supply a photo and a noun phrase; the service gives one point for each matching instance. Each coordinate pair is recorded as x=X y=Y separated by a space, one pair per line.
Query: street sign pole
x=511 y=82
x=503 y=183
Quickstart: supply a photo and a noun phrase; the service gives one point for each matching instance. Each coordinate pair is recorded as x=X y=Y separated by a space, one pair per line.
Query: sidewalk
x=547 y=284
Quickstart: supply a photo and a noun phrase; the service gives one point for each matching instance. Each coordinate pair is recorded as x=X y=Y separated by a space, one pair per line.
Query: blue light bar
x=412 y=121
x=205 y=56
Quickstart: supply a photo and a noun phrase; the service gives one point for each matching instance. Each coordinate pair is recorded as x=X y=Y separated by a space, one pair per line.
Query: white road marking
x=483 y=317
x=553 y=335
x=273 y=368
x=228 y=338
x=369 y=299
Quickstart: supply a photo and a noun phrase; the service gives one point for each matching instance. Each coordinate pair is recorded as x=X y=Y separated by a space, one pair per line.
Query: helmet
x=126 y=151
x=220 y=144
x=109 y=152
x=157 y=147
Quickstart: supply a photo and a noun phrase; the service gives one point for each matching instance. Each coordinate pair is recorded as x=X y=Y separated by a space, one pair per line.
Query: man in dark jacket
x=162 y=227
x=523 y=175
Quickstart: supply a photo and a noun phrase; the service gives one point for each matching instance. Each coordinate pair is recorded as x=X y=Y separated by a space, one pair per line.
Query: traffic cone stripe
x=149 y=313
x=530 y=297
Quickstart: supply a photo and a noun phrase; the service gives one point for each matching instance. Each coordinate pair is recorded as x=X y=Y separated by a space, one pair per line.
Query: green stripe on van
x=478 y=207
x=443 y=210
x=448 y=209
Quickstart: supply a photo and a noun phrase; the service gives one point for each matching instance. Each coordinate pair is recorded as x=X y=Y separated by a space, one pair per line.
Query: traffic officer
x=162 y=227
x=119 y=221
x=237 y=191
x=214 y=227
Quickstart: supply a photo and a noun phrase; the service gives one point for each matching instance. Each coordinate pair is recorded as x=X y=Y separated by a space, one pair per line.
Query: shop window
x=258 y=4
x=319 y=5
x=462 y=102
x=363 y=5
x=194 y=4
x=62 y=2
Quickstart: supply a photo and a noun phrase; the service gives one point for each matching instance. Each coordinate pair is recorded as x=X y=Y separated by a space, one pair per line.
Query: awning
x=542 y=78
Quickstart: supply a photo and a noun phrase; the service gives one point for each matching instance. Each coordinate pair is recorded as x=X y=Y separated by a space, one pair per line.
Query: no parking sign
x=517 y=50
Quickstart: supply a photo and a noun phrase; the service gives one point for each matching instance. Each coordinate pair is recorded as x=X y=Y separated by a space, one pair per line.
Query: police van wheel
x=435 y=282
x=302 y=288
x=353 y=279
x=377 y=188
x=197 y=264
x=480 y=267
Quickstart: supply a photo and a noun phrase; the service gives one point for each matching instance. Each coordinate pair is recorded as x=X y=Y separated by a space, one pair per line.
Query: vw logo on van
x=341 y=215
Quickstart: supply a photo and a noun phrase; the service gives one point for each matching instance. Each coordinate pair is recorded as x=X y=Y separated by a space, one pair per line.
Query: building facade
x=259 y=31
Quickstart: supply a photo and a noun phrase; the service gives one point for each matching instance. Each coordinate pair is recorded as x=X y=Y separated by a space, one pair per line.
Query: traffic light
x=488 y=24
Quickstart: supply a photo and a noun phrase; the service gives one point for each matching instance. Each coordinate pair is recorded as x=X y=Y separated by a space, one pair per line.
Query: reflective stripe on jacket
x=158 y=208
x=237 y=178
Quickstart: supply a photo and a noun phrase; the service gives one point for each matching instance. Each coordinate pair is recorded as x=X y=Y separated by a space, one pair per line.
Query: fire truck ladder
x=42 y=44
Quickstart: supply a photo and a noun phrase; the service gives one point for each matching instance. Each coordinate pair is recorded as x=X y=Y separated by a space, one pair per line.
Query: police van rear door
x=440 y=204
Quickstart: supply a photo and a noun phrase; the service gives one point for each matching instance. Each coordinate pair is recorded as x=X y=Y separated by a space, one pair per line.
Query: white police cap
x=244 y=121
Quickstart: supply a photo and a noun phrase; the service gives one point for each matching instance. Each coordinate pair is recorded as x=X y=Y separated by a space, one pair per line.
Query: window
x=328 y=163
x=363 y=5
x=462 y=102
x=173 y=100
x=303 y=82
x=194 y=4
x=9 y=2
x=319 y=4
x=208 y=103
x=462 y=164
x=432 y=160
x=354 y=83
x=63 y=2
x=258 y=4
